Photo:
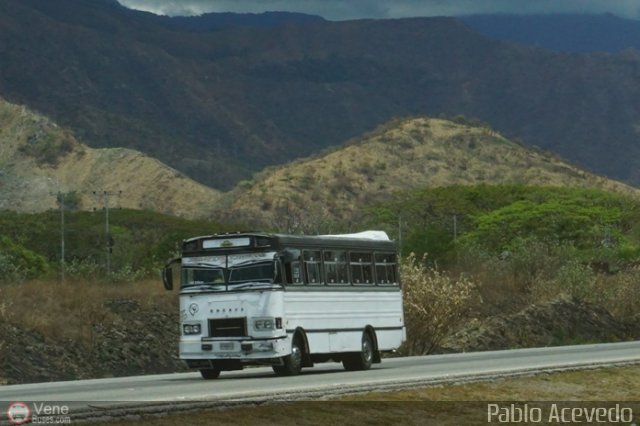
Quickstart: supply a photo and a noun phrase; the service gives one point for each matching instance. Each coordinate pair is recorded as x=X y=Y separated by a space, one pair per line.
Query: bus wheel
x=292 y=363
x=210 y=373
x=360 y=360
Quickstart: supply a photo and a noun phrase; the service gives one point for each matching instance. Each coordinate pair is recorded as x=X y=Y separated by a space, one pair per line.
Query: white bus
x=287 y=301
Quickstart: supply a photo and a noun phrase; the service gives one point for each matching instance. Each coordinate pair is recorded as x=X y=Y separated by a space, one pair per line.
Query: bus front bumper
x=250 y=350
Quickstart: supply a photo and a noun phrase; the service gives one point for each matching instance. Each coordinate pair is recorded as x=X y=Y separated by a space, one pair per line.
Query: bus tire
x=210 y=373
x=360 y=360
x=292 y=363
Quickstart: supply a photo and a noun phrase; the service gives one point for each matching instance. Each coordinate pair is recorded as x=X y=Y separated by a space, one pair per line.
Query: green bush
x=17 y=262
x=9 y=272
x=444 y=221
x=48 y=147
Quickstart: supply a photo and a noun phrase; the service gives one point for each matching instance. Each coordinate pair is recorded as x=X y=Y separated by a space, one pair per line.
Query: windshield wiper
x=207 y=265
x=254 y=285
x=216 y=286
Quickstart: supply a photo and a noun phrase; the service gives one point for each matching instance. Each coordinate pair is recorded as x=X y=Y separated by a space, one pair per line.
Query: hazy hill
x=563 y=32
x=221 y=105
x=38 y=159
x=400 y=155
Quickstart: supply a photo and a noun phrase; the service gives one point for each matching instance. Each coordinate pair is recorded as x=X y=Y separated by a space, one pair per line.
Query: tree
x=567 y=221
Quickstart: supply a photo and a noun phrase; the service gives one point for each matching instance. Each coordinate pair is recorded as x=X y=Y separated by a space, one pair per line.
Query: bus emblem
x=193 y=309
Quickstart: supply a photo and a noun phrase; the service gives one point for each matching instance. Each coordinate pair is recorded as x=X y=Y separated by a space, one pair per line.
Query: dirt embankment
x=145 y=340
x=559 y=322
x=137 y=341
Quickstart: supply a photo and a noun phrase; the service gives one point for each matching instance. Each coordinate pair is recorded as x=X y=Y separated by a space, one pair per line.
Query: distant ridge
x=562 y=32
x=216 y=21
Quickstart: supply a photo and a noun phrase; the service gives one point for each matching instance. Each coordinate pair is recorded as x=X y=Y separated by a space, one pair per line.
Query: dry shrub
x=617 y=293
x=500 y=289
x=531 y=271
x=574 y=280
x=620 y=293
x=434 y=304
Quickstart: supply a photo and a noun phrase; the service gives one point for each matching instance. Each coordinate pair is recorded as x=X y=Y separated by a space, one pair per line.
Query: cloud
x=355 y=9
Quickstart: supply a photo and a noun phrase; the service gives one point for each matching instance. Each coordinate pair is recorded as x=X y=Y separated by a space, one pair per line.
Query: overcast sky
x=354 y=9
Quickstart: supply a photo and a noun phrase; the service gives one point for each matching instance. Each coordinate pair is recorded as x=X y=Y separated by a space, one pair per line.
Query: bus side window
x=335 y=267
x=313 y=267
x=361 y=268
x=293 y=272
x=386 y=268
x=367 y=269
x=291 y=259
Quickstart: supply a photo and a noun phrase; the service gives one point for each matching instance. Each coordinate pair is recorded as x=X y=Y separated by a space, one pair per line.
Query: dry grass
x=464 y=404
x=607 y=384
x=70 y=310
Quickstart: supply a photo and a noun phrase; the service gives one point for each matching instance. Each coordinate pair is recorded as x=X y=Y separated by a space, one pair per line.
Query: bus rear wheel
x=292 y=363
x=210 y=373
x=360 y=360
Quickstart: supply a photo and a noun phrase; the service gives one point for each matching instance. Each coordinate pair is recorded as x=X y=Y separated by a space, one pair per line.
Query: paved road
x=323 y=380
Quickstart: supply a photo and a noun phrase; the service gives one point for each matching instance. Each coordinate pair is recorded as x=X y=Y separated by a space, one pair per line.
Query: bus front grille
x=228 y=327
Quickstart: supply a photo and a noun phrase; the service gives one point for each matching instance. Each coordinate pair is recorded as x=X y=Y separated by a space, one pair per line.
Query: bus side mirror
x=167 y=278
x=167 y=273
x=278 y=270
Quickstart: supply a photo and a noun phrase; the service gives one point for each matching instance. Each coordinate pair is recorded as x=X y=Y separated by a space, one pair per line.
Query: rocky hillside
x=38 y=159
x=403 y=154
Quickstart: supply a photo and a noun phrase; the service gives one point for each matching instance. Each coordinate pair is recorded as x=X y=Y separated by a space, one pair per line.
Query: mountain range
x=40 y=160
x=220 y=105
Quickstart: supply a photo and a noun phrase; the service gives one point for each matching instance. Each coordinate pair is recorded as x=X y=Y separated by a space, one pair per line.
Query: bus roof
x=368 y=235
x=377 y=240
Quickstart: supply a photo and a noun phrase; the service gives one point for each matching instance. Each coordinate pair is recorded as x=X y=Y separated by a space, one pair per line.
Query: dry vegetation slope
x=400 y=155
x=38 y=158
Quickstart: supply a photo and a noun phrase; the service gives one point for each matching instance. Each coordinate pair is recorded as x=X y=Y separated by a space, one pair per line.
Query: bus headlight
x=190 y=329
x=263 y=324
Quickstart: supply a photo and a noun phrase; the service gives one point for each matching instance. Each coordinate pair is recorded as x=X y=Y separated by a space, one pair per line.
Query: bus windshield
x=262 y=272
x=201 y=276
x=222 y=273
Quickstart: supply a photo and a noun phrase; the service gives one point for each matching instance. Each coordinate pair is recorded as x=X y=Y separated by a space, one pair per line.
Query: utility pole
x=400 y=233
x=455 y=227
x=62 y=265
x=109 y=241
x=60 y=198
